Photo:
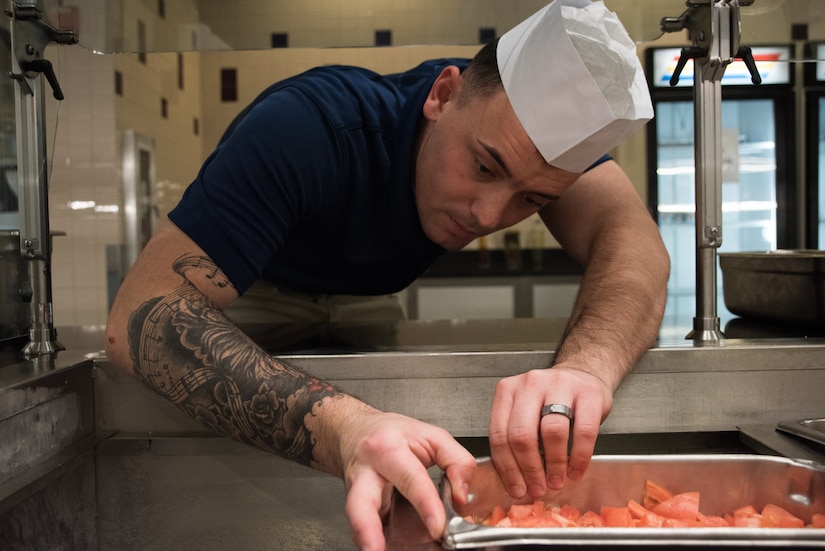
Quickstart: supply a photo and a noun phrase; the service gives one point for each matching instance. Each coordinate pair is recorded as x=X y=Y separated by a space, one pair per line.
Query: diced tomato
x=684 y=506
x=497 y=514
x=818 y=520
x=655 y=494
x=519 y=511
x=617 y=516
x=747 y=520
x=558 y=519
x=590 y=519
x=529 y=521
x=644 y=517
x=636 y=509
x=668 y=511
x=745 y=510
x=716 y=521
x=652 y=520
x=709 y=521
x=548 y=521
x=569 y=512
x=780 y=518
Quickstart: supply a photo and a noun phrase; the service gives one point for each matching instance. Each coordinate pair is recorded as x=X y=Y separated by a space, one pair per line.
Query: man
x=343 y=181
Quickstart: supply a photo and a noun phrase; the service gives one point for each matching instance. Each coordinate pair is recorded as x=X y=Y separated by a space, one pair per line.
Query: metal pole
x=707 y=148
x=714 y=29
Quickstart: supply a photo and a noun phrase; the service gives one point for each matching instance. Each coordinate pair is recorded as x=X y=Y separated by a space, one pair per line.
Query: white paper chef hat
x=575 y=82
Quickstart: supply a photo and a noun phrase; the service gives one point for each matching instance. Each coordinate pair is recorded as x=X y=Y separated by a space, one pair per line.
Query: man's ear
x=444 y=90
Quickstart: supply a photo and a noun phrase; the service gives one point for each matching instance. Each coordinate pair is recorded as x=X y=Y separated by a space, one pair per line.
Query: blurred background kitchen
x=154 y=83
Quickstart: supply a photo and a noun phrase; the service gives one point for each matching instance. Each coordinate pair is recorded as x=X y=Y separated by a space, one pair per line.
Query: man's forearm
x=619 y=310
x=185 y=349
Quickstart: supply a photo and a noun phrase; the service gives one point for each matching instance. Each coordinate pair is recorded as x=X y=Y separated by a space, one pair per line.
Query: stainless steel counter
x=676 y=387
x=162 y=481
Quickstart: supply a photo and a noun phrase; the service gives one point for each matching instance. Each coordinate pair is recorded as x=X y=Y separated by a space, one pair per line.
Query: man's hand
x=603 y=224
x=381 y=451
x=517 y=428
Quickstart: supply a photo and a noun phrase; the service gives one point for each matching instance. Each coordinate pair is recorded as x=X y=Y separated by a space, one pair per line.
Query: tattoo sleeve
x=187 y=350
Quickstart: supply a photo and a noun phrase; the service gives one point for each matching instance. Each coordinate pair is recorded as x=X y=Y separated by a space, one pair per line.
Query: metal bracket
x=30 y=34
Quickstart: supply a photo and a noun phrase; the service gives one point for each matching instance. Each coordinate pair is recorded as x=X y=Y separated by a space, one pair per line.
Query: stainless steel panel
x=713 y=388
x=58 y=516
x=47 y=438
x=42 y=414
x=14 y=311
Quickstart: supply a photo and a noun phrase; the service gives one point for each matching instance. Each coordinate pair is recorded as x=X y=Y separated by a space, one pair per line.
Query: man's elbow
x=117 y=345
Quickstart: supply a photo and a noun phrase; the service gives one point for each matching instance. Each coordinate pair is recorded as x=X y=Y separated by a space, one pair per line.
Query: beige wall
x=86 y=129
x=178 y=151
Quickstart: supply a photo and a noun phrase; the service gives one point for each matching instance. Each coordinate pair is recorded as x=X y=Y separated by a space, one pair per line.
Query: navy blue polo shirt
x=312 y=186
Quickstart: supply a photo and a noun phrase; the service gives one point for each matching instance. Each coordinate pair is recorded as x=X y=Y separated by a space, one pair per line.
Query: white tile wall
x=82 y=150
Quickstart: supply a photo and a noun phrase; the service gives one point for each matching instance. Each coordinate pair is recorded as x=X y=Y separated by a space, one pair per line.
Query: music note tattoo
x=209 y=269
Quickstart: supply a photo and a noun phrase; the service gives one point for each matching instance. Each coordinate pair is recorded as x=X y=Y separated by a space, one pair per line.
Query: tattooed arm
x=167 y=328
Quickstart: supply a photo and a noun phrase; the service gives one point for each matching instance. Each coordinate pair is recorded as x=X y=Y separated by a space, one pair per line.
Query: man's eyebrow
x=493 y=152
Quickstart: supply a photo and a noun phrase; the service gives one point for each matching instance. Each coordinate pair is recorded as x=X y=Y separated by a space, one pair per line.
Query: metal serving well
x=725 y=482
x=812 y=430
x=783 y=285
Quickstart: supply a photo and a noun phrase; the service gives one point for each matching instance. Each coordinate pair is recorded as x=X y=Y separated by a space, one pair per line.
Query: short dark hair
x=481 y=77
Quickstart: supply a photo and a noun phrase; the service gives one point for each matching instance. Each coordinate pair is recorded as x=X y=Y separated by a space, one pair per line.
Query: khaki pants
x=266 y=303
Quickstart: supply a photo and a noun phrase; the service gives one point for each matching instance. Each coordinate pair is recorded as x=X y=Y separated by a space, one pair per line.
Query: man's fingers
x=367 y=498
x=503 y=457
x=523 y=438
x=395 y=454
x=458 y=464
x=409 y=476
x=585 y=431
x=517 y=429
x=555 y=434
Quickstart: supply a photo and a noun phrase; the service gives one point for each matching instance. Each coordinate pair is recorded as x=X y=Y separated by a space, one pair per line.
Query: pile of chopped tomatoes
x=659 y=508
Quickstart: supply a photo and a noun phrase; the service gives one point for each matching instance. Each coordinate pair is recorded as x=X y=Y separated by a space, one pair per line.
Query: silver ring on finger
x=560 y=409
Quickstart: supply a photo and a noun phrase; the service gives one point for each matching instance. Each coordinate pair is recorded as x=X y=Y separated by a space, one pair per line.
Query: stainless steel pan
x=724 y=481
x=784 y=285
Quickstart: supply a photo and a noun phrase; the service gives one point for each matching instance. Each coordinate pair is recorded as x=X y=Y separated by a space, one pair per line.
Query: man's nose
x=488 y=211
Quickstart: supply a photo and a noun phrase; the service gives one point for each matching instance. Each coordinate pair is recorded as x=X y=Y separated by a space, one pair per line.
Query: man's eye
x=533 y=201
x=483 y=169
